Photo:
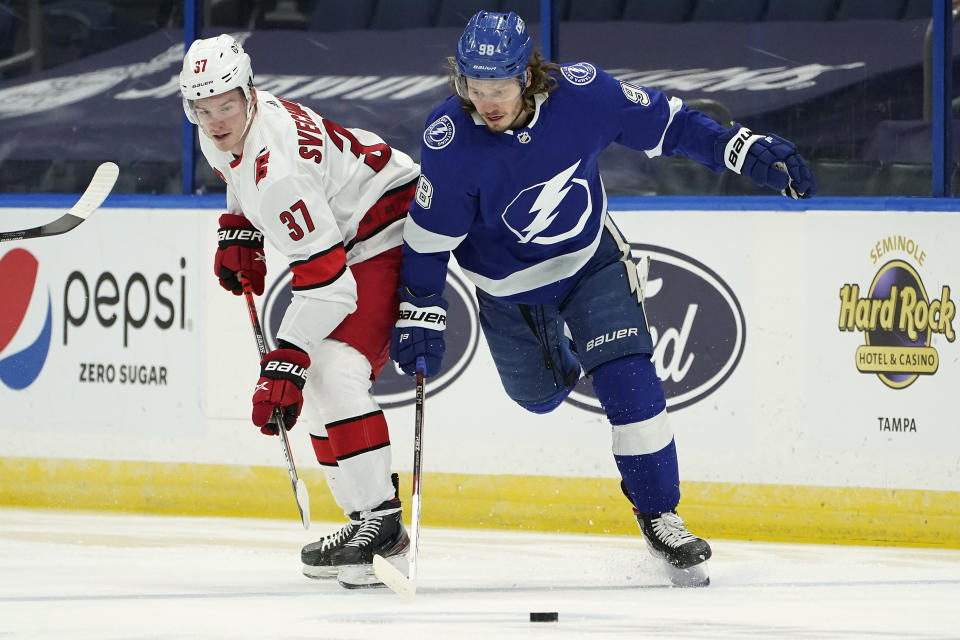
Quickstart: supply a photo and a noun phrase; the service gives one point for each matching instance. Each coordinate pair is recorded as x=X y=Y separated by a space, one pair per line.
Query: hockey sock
x=321 y=447
x=652 y=479
x=361 y=445
x=632 y=397
x=340 y=490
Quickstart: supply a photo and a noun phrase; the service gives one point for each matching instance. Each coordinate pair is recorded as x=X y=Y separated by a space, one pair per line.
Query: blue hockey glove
x=419 y=332
x=766 y=159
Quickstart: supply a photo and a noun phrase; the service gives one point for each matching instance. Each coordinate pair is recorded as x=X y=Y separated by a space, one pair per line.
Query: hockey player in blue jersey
x=510 y=186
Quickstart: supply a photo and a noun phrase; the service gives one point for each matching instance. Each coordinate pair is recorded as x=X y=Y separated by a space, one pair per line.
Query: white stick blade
x=303 y=501
x=97 y=191
x=393 y=578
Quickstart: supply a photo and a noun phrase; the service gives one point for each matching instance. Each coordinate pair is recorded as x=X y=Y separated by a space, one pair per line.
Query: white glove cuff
x=735 y=152
x=424 y=317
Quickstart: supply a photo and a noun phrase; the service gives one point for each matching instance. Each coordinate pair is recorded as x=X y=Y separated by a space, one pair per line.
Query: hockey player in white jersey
x=511 y=188
x=333 y=201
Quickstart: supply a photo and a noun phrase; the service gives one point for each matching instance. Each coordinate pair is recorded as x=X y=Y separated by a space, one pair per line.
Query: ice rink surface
x=81 y=575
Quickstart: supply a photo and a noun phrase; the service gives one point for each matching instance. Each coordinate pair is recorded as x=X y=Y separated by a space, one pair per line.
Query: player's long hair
x=543 y=79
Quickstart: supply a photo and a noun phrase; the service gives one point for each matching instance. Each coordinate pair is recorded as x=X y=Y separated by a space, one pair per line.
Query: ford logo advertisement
x=696 y=323
x=695 y=320
x=392 y=387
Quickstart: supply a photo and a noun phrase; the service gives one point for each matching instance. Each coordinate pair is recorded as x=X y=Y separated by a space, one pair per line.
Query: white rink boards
x=785 y=364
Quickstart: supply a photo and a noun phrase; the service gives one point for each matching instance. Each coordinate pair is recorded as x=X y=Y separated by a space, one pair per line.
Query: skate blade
x=364 y=576
x=320 y=573
x=691 y=577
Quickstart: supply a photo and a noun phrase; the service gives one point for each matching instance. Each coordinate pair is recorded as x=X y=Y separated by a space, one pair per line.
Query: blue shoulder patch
x=580 y=73
x=440 y=133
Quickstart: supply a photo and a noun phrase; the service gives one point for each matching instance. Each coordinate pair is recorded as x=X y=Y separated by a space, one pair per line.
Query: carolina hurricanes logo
x=261 y=165
x=25 y=322
x=561 y=205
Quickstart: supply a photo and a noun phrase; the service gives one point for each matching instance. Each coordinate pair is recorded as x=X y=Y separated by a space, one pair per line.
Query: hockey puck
x=544 y=616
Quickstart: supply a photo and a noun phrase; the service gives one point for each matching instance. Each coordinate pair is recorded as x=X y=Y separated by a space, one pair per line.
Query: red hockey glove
x=240 y=248
x=283 y=372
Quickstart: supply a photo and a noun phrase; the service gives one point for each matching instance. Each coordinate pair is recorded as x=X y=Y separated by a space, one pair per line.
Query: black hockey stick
x=96 y=192
x=299 y=488
x=406 y=586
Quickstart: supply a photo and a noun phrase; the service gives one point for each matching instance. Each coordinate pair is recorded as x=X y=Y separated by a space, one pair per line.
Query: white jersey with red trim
x=324 y=195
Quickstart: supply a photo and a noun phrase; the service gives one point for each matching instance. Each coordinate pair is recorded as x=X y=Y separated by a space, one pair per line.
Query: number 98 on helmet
x=493 y=46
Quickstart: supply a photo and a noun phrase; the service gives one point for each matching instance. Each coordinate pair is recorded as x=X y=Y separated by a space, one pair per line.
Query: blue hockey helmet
x=494 y=46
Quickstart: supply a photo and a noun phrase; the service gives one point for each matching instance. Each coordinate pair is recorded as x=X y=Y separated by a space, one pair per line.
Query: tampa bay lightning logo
x=551 y=211
x=25 y=322
x=440 y=133
x=580 y=73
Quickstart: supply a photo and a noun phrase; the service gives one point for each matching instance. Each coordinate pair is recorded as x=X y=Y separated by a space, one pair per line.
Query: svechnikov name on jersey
x=309 y=134
x=309 y=138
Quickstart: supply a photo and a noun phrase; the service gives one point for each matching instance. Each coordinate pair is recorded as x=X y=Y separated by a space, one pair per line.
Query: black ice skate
x=381 y=532
x=316 y=556
x=684 y=554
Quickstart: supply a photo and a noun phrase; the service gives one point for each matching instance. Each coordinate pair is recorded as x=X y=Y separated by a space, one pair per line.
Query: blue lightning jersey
x=523 y=211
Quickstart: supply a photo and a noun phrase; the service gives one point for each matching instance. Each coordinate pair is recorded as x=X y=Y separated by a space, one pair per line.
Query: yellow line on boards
x=776 y=513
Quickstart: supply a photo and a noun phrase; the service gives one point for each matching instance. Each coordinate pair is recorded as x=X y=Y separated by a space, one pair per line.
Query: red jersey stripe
x=391 y=206
x=354 y=436
x=320 y=269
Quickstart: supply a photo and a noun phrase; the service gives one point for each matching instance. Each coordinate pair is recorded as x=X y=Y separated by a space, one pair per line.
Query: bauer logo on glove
x=289 y=368
x=239 y=249
x=735 y=146
x=247 y=237
x=430 y=318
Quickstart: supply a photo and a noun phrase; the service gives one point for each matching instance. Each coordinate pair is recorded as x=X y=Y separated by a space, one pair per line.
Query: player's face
x=498 y=102
x=224 y=119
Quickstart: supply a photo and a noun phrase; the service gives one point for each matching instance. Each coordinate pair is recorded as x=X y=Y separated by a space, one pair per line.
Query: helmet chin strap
x=251 y=108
